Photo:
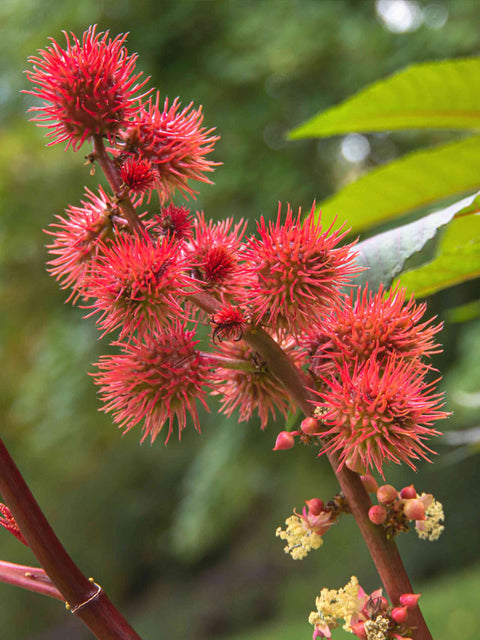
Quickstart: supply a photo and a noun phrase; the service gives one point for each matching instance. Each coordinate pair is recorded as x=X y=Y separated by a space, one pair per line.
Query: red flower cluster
x=297 y=270
x=88 y=89
x=146 y=276
x=375 y=404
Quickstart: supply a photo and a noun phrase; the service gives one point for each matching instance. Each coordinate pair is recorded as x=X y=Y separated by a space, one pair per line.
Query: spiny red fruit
x=229 y=323
x=174 y=141
x=76 y=239
x=138 y=175
x=89 y=88
x=297 y=268
x=156 y=380
x=381 y=323
x=174 y=221
x=216 y=251
x=382 y=413
x=137 y=283
x=250 y=387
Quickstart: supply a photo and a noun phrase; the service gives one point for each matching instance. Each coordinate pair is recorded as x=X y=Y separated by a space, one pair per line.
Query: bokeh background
x=182 y=537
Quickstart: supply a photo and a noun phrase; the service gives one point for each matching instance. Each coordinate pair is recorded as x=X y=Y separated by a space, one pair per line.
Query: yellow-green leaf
x=457 y=260
x=428 y=95
x=416 y=180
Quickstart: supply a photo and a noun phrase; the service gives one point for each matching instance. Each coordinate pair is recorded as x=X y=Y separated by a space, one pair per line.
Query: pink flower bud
x=354 y=463
x=386 y=494
x=408 y=492
x=309 y=426
x=359 y=630
x=285 y=440
x=399 y=614
x=409 y=600
x=315 y=506
x=377 y=514
x=414 y=509
x=369 y=482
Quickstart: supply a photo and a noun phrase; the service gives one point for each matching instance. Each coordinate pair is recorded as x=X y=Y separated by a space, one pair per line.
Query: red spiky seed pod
x=174 y=141
x=89 y=88
x=76 y=238
x=138 y=175
x=174 y=221
x=229 y=323
x=250 y=387
x=137 y=284
x=298 y=269
x=383 y=323
x=217 y=251
x=383 y=413
x=155 y=380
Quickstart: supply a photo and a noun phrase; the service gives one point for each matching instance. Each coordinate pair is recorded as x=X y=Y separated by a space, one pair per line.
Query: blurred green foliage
x=184 y=535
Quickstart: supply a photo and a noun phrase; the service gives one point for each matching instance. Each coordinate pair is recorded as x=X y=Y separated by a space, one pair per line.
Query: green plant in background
x=283 y=330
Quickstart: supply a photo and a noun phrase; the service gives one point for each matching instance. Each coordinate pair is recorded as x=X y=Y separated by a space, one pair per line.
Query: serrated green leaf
x=416 y=180
x=458 y=259
x=428 y=95
x=385 y=254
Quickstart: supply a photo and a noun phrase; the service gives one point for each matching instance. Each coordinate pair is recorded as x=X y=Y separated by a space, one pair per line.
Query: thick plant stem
x=86 y=599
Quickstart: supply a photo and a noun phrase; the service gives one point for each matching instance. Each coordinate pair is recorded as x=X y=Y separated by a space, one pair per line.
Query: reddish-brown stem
x=86 y=599
x=108 y=167
x=30 y=578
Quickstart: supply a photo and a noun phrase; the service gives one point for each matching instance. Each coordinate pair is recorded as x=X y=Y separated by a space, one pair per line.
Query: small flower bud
x=408 y=492
x=386 y=494
x=309 y=426
x=414 y=509
x=399 y=614
x=410 y=600
x=315 y=506
x=369 y=482
x=354 y=463
x=377 y=514
x=358 y=629
x=285 y=440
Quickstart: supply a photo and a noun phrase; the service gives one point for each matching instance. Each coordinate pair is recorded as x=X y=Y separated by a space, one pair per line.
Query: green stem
x=89 y=602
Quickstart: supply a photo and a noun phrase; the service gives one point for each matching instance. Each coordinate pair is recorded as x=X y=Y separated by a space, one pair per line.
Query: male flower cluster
x=368 y=617
x=395 y=509
x=304 y=531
